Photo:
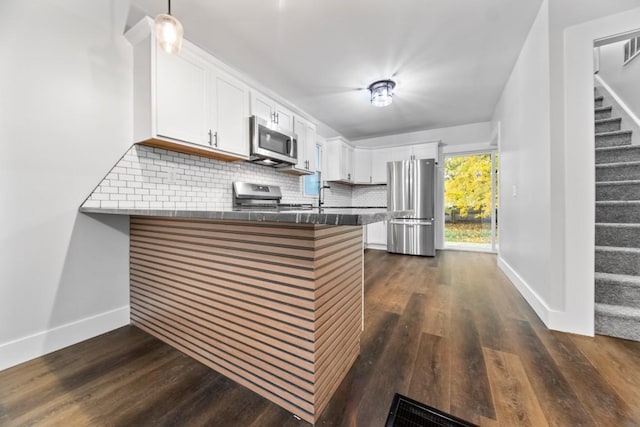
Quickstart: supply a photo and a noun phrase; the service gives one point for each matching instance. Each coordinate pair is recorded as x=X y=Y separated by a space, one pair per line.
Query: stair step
x=621 y=212
x=617 y=289
x=597 y=101
x=618 y=235
x=617 y=260
x=622 y=171
x=618 y=190
x=617 y=321
x=613 y=138
x=602 y=113
x=608 y=125
x=624 y=153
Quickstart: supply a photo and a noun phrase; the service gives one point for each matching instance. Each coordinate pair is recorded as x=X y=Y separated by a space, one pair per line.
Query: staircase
x=617 y=257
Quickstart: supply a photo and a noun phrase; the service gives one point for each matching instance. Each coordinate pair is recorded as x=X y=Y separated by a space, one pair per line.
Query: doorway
x=471 y=201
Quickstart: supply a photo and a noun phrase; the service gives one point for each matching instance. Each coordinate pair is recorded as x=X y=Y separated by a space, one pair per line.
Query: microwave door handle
x=289 y=145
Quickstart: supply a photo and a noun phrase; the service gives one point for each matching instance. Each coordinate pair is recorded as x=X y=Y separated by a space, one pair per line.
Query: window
x=631 y=49
x=313 y=182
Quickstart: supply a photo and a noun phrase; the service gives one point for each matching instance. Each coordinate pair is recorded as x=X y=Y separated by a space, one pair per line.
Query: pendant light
x=169 y=32
x=382 y=92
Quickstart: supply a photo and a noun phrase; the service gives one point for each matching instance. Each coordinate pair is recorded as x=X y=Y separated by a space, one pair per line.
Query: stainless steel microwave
x=272 y=146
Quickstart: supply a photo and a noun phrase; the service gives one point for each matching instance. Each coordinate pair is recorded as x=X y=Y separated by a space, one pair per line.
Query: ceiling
x=450 y=58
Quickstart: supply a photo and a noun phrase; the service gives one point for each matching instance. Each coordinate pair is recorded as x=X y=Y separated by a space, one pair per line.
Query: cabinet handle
x=210 y=137
x=277 y=118
x=215 y=136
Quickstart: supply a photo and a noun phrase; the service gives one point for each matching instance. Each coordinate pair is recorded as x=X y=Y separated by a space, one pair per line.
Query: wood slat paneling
x=275 y=307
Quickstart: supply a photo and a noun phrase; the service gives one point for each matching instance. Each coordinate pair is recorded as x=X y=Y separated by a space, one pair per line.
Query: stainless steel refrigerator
x=411 y=186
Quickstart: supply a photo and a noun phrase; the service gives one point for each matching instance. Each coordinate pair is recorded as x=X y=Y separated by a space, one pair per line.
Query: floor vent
x=405 y=412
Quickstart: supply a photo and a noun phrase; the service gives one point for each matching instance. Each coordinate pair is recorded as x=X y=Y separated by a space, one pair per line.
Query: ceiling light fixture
x=382 y=92
x=169 y=32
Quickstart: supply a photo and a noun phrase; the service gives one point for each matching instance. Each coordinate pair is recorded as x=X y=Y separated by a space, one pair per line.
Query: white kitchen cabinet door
x=229 y=118
x=377 y=235
x=262 y=106
x=362 y=166
x=306 y=133
x=182 y=97
x=284 y=118
x=269 y=110
x=346 y=162
x=339 y=157
x=310 y=147
x=379 y=159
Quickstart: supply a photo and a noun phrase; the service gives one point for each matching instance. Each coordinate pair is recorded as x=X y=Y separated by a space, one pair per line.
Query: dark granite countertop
x=329 y=215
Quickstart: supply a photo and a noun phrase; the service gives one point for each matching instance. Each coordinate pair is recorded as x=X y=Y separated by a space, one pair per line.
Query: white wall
x=547 y=152
x=65 y=119
x=525 y=202
x=624 y=80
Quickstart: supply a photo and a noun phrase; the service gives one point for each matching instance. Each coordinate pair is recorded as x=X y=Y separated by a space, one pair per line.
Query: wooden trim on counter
x=274 y=306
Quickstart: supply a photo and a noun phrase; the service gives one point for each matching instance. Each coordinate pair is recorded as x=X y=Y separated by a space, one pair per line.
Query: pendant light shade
x=169 y=32
x=382 y=92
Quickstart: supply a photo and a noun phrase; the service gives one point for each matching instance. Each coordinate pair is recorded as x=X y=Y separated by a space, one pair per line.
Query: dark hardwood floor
x=451 y=332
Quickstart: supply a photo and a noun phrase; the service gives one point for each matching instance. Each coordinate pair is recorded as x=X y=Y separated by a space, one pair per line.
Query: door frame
x=493 y=151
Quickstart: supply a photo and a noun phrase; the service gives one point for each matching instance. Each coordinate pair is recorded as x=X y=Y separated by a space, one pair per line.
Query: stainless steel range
x=262 y=197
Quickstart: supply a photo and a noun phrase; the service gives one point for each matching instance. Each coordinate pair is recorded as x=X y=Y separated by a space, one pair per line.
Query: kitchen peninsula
x=272 y=300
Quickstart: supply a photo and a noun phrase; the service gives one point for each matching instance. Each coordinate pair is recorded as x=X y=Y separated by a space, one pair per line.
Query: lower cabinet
x=376 y=235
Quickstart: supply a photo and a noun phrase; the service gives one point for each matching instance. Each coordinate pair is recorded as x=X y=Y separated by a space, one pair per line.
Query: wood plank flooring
x=449 y=331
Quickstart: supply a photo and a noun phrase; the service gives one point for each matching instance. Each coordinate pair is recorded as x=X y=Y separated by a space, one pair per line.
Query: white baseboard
x=23 y=349
x=539 y=306
x=376 y=246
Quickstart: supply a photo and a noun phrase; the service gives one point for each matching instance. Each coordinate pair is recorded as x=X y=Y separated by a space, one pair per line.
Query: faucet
x=321 y=194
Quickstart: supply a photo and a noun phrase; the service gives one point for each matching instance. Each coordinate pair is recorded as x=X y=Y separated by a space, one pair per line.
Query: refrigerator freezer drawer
x=411 y=238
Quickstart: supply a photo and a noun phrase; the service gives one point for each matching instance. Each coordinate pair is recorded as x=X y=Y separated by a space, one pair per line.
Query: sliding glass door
x=471 y=201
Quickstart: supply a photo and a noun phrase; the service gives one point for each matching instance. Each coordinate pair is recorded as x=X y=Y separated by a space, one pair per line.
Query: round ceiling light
x=382 y=92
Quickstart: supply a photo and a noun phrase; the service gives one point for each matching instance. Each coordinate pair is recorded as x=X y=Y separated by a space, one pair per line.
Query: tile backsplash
x=154 y=178
x=369 y=195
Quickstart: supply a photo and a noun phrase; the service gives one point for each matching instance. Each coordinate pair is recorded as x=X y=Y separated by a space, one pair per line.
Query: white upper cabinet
x=379 y=159
x=183 y=102
x=272 y=112
x=362 y=166
x=181 y=97
x=229 y=115
x=339 y=161
x=310 y=147
x=284 y=118
x=306 y=133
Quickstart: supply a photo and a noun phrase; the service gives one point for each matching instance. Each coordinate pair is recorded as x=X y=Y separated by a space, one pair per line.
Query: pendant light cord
x=169 y=7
